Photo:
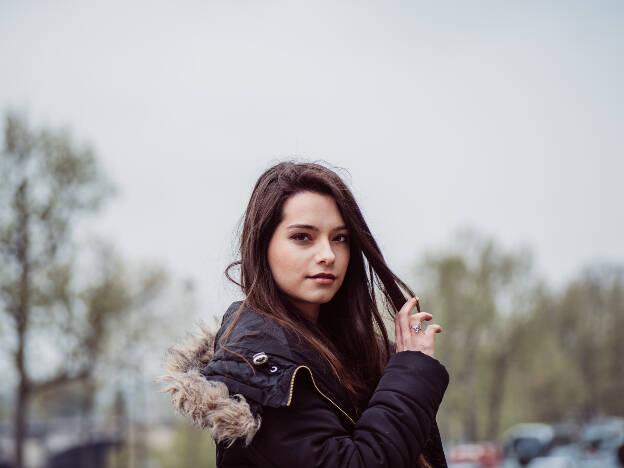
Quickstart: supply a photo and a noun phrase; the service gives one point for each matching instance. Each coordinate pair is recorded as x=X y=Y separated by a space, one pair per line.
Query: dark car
x=524 y=442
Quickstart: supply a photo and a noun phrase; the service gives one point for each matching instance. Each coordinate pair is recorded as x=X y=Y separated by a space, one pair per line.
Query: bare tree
x=46 y=183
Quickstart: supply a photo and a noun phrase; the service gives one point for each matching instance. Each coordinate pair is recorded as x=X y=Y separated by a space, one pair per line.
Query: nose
x=325 y=254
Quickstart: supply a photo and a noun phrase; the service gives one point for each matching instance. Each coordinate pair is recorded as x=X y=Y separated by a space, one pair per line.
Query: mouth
x=324 y=275
x=323 y=279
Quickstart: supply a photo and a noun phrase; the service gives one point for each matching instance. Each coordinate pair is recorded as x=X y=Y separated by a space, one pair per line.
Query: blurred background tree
x=516 y=351
x=480 y=295
x=589 y=320
x=69 y=312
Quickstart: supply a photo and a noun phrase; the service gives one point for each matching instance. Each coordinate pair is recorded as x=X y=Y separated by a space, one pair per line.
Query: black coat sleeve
x=391 y=432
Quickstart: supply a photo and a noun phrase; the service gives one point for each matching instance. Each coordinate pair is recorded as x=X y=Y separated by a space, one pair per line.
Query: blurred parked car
x=481 y=455
x=524 y=442
x=600 y=441
x=547 y=444
x=553 y=461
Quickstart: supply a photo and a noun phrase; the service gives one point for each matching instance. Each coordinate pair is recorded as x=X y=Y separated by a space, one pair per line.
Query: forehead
x=311 y=208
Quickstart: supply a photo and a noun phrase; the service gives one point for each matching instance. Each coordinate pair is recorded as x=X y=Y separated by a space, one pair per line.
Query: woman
x=301 y=372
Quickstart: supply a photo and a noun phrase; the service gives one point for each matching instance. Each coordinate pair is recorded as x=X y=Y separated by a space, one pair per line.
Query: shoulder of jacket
x=206 y=403
x=251 y=330
x=208 y=387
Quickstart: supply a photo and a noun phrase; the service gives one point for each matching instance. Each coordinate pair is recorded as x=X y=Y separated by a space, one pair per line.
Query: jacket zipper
x=292 y=386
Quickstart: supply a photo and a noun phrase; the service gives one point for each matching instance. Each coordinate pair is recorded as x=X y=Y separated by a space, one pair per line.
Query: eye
x=342 y=237
x=300 y=236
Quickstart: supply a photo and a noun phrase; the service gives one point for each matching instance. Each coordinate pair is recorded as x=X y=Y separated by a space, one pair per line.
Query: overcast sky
x=504 y=116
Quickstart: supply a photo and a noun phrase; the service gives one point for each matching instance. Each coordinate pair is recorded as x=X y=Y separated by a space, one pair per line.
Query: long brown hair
x=346 y=336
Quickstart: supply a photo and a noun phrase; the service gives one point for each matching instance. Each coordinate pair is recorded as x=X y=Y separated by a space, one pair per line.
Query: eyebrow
x=313 y=228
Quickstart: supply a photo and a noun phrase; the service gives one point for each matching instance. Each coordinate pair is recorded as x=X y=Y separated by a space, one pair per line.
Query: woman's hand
x=408 y=339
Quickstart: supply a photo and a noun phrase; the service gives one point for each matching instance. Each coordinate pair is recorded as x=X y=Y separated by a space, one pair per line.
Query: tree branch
x=61 y=379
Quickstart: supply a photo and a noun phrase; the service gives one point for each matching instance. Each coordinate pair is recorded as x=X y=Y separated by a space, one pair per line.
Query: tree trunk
x=497 y=391
x=471 y=425
x=469 y=381
x=20 y=420
x=21 y=311
x=86 y=424
x=23 y=387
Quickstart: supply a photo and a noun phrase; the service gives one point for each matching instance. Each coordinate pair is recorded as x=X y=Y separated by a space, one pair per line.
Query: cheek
x=284 y=262
x=344 y=269
x=345 y=260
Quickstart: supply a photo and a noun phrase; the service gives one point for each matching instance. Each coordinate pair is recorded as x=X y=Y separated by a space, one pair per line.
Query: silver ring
x=416 y=328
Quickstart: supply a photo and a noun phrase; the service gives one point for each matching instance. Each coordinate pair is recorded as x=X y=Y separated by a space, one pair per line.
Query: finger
x=416 y=321
x=404 y=315
x=398 y=339
x=420 y=317
x=435 y=328
x=398 y=336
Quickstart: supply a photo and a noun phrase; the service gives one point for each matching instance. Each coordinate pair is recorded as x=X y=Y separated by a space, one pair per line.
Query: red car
x=485 y=455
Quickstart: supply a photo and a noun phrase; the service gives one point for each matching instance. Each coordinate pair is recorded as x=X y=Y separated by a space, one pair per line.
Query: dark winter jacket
x=269 y=401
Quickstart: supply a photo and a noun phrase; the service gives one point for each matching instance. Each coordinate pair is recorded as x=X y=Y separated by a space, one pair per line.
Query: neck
x=309 y=311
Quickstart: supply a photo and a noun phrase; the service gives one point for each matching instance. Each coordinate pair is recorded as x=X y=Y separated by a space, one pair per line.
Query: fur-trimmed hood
x=207 y=403
x=223 y=387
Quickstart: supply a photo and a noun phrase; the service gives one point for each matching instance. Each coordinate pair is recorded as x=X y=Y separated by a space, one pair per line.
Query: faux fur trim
x=207 y=403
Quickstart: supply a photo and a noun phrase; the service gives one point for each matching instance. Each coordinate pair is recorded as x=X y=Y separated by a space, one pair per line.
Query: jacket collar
x=257 y=333
x=201 y=374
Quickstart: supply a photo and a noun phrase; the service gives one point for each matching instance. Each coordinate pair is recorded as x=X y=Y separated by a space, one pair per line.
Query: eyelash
x=299 y=235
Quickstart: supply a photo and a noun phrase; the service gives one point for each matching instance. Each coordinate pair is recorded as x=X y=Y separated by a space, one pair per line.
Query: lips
x=324 y=275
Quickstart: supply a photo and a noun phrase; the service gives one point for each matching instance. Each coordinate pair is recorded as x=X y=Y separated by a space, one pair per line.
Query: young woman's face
x=310 y=240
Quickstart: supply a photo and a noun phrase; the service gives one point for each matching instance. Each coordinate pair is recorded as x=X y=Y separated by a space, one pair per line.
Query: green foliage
x=480 y=296
x=517 y=352
x=82 y=303
x=47 y=184
x=589 y=328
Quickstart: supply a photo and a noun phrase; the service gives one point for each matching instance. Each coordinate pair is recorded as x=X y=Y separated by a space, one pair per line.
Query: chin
x=323 y=299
